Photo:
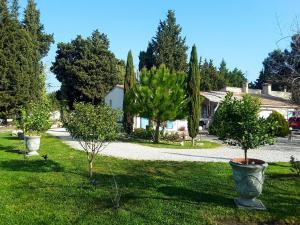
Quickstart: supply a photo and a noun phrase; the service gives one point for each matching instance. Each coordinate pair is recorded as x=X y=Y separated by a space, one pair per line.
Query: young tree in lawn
x=94 y=127
x=160 y=96
x=193 y=88
x=129 y=83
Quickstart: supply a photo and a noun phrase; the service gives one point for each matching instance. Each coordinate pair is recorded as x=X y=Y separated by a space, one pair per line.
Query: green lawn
x=177 y=145
x=58 y=192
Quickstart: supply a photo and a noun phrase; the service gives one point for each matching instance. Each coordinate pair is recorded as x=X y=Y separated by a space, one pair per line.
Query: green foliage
x=53 y=101
x=167 y=47
x=193 y=89
x=129 y=83
x=171 y=137
x=86 y=68
x=35 y=119
x=214 y=79
x=160 y=96
x=238 y=120
x=94 y=127
x=89 y=123
x=282 y=126
x=141 y=133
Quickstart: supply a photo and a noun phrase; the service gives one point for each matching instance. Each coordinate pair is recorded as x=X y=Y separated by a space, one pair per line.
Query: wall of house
x=115 y=98
x=266 y=111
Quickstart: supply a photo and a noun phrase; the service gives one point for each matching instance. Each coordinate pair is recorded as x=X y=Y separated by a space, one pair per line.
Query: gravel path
x=279 y=152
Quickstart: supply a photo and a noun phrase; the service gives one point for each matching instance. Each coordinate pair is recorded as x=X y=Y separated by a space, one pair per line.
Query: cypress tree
x=129 y=82
x=193 y=88
x=15 y=9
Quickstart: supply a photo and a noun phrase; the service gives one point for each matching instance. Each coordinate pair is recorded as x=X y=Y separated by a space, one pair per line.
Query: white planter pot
x=32 y=144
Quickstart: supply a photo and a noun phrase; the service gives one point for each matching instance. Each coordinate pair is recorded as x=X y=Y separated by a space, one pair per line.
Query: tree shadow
x=188 y=195
x=31 y=166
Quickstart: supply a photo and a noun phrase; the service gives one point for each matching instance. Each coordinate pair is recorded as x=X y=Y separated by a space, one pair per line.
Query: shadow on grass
x=31 y=166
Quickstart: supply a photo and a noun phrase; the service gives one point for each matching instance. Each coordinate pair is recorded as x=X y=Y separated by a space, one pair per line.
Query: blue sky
x=242 y=32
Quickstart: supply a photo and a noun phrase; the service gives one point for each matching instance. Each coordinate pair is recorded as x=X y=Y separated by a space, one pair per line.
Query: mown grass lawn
x=176 y=145
x=57 y=191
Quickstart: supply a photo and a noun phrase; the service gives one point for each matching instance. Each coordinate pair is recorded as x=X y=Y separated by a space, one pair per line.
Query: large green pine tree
x=193 y=88
x=15 y=9
x=16 y=67
x=129 y=83
x=167 y=47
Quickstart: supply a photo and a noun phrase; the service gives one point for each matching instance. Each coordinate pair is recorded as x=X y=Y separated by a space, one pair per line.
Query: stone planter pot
x=249 y=179
x=32 y=144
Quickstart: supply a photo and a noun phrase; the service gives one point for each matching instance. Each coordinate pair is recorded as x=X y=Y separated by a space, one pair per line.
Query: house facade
x=270 y=101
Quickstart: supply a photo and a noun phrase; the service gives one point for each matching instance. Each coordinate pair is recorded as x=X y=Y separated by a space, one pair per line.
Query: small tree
x=94 y=127
x=238 y=120
x=160 y=96
x=193 y=87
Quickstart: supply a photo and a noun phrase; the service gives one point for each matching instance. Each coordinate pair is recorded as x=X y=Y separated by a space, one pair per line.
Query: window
x=169 y=125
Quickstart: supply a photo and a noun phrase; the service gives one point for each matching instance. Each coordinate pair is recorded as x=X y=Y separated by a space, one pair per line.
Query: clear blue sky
x=242 y=32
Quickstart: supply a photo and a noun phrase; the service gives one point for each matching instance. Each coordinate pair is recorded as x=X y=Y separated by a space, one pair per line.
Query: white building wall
x=115 y=98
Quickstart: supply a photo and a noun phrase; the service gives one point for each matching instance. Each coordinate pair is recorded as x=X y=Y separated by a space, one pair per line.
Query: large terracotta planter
x=249 y=179
x=32 y=144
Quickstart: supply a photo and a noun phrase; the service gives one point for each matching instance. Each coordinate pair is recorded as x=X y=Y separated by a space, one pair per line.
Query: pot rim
x=260 y=163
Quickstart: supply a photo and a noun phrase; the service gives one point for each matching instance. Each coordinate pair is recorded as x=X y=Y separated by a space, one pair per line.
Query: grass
x=57 y=191
x=177 y=145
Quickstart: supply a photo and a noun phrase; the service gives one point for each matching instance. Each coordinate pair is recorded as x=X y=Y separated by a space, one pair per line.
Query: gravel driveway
x=280 y=152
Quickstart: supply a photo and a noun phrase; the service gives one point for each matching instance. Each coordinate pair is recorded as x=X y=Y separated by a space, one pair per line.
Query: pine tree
x=193 y=88
x=4 y=13
x=15 y=9
x=167 y=47
x=129 y=83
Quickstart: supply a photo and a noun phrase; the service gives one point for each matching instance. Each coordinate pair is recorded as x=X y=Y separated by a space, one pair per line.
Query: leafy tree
x=129 y=83
x=121 y=70
x=193 y=88
x=159 y=96
x=16 y=67
x=167 y=47
x=223 y=72
x=282 y=126
x=94 y=127
x=238 y=120
x=86 y=68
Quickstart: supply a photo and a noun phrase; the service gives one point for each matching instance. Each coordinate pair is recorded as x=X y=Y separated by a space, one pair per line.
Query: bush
x=282 y=126
x=172 y=137
x=141 y=133
x=35 y=119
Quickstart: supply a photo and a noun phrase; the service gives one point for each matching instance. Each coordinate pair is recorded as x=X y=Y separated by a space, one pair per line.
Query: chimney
x=267 y=89
x=245 y=88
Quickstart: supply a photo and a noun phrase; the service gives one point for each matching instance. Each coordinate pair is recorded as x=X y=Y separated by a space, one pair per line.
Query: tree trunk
x=193 y=142
x=156 y=138
x=91 y=169
x=246 y=158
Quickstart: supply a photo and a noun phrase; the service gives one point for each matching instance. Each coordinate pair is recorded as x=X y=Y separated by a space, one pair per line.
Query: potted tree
x=238 y=121
x=35 y=120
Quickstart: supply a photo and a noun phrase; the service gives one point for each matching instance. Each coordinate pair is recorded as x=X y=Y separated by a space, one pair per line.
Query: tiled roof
x=266 y=100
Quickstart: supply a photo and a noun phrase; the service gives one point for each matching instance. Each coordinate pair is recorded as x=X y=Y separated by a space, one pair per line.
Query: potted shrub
x=239 y=122
x=35 y=121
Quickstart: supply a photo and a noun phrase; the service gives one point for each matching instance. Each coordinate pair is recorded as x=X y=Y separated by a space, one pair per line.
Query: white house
x=115 y=99
x=270 y=101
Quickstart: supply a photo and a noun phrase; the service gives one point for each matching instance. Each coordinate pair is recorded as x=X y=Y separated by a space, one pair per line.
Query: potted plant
x=239 y=122
x=35 y=121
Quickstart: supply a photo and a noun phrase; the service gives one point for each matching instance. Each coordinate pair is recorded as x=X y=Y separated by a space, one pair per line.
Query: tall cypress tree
x=129 y=82
x=193 y=88
x=15 y=9
x=41 y=41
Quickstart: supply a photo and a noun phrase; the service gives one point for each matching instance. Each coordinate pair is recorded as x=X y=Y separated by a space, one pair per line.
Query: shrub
x=172 y=137
x=35 y=119
x=238 y=120
x=141 y=133
x=295 y=165
x=94 y=127
x=282 y=128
